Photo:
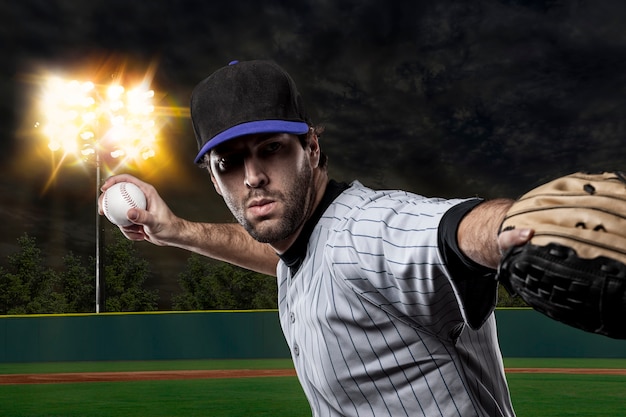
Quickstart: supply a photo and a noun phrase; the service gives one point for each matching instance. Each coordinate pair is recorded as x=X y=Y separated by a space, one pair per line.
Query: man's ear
x=314 y=147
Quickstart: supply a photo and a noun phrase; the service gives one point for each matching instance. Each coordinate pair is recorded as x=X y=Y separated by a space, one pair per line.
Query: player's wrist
x=180 y=233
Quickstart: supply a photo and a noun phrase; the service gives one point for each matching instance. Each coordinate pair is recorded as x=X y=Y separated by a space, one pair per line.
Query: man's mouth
x=261 y=207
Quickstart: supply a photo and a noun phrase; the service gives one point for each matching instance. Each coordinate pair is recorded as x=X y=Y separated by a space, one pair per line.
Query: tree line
x=28 y=286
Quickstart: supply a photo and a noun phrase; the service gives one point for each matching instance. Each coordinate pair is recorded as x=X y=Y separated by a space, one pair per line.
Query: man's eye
x=225 y=163
x=272 y=147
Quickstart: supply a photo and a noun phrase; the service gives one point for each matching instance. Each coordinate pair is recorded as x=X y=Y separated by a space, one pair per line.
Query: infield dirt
x=55 y=378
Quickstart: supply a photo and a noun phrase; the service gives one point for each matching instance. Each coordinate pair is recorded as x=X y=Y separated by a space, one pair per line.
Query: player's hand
x=156 y=224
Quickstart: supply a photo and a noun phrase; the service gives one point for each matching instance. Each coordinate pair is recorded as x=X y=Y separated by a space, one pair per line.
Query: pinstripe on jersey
x=373 y=322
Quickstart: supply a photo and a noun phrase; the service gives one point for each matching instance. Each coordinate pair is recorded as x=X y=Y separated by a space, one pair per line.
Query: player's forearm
x=478 y=232
x=227 y=242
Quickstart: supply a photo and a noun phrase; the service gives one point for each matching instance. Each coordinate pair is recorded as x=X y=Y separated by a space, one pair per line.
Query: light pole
x=94 y=122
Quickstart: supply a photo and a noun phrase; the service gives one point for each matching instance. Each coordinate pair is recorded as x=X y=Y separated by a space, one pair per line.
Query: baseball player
x=386 y=298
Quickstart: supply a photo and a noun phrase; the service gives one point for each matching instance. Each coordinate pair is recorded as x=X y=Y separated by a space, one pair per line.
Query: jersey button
x=296 y=349
x=292 y=317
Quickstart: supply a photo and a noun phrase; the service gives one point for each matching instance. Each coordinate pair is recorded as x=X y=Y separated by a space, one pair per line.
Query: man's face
x=266 y=182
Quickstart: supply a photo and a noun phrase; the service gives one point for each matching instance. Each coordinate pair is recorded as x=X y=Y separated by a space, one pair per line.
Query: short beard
x=296 y=202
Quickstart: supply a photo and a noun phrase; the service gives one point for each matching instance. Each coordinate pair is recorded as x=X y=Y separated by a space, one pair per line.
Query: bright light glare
x=87 y=135
x=82 y=118
x=115 y=91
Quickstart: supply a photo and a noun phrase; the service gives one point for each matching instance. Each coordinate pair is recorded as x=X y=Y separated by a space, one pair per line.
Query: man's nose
x=255 y=174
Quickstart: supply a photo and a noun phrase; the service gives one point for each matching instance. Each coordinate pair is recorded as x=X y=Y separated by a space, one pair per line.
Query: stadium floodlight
x=92 y=123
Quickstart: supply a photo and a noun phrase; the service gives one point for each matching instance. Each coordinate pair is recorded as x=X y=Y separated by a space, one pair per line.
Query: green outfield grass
x=552 y=395
x=244 y=397
x=545 y=395
x=129 y=366
x=601 y=363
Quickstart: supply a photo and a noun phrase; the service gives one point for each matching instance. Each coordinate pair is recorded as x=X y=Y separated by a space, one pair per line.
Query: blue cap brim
x=250 y=128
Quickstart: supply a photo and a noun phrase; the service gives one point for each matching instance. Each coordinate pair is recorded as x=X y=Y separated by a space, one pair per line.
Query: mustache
x=256 y=193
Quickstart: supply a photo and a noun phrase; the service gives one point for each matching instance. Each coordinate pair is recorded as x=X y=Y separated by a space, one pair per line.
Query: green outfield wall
x=527 y=333
x=241 y=334
x=142 y=336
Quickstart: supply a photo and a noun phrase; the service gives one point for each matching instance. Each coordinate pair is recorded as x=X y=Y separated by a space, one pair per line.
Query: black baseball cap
x=245 y=98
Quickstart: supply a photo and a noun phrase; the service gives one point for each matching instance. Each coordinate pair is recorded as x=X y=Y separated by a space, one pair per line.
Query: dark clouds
x=449 y=98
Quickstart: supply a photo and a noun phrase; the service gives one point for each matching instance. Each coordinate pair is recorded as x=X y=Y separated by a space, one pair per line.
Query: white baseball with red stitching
x=120 y=198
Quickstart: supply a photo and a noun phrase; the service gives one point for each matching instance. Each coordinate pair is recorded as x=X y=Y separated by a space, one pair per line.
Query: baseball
x=120 y=198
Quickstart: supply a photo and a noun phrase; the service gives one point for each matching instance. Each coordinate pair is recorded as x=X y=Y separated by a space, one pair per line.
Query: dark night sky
x=446 y=98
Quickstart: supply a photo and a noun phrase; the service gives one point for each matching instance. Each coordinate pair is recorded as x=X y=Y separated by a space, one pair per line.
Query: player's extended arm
x=478 y=235
x=227 y=242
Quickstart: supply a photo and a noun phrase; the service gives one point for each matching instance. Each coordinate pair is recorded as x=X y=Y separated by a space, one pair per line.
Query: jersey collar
x=294 y=256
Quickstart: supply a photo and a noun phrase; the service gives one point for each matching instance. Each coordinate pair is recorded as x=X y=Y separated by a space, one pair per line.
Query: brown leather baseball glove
x=574 y=268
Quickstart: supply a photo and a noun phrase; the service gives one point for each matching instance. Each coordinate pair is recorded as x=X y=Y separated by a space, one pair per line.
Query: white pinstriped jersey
x=375 y=325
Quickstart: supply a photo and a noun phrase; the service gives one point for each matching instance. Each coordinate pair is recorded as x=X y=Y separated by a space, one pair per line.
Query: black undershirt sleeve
x=475 y=283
